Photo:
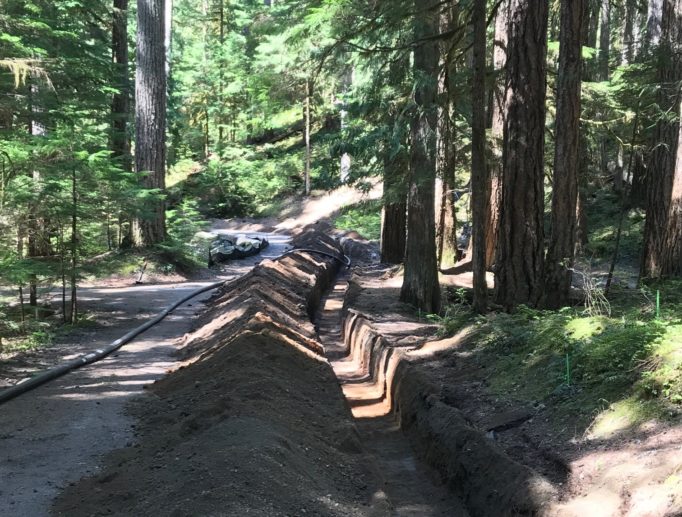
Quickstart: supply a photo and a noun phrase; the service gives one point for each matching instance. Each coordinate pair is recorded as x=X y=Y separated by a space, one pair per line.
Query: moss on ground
x=601 y=374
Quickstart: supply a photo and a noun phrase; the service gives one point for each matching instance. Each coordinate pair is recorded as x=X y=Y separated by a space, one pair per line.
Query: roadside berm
x=253 y=422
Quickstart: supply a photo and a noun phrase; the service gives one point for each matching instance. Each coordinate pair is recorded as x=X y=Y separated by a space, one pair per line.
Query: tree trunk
x=38 y=235
x=448 y=253
x=73 y=318
x=630 y=33
x=445 y=165
x=497 y=133
x=603 y=75
x=592 y=28
x=479 y=172
x=120 y=104
x=420 y=285
x=591 y=12
x=520 y=254
x=638 y=181
x=22 y=309
x=221 y=86
x=560 y=255
x=654 y=19
x=308 y=152
x=662 y=256
x=21 y=232
x=150 y=117
x=394 y=216
x=652 y=37
x=62 y=270
x=604 y=39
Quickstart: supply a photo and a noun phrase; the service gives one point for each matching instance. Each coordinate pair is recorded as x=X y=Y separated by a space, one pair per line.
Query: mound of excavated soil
x=253 y=424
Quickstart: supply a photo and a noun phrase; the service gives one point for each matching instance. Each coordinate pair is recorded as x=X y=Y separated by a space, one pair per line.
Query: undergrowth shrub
x=363 y=217
x=179 y=251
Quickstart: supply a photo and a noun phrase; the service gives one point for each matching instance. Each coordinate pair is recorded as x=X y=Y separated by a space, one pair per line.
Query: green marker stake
x=658 y=304
x=568 y=370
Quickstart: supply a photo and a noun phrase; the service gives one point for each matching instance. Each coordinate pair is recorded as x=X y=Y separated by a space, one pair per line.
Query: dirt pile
x=254 y=422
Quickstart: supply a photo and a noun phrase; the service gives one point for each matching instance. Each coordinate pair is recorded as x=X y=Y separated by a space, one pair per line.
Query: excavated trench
x=254 y=421
x=402 y=414
x=412 y=488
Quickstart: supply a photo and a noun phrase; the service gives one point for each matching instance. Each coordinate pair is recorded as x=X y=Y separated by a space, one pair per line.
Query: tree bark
x=479 y=172
x=120 y=104
x=560 y=255
x=662 y=256
x=221 y=86
x=38 y=235
x=590 y=28
x=520 y=254
x=420 y=285
x=497 y=133
x=603 y=75
x=150 y=117
x=306 y=136
x=73 y=317
x=630 y=33
x=446 y=215
x=394 y=216
x=604 y=39
x=652 y=36
x=651 y=40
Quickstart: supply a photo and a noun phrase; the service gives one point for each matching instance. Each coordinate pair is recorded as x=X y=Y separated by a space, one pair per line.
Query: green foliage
x=454 y=319
x=179 y=250
x=32 y=335
x=629 y=356
x=364 y=218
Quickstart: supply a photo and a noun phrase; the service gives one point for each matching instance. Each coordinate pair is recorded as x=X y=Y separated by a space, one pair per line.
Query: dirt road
x=57 y=433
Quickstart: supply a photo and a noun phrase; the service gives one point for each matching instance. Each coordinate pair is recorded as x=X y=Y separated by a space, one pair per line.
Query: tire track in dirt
x=411 y=488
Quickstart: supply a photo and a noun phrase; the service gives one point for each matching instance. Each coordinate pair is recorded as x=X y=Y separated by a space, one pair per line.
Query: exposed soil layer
x=112 y=308
x=503 y=456
x=388 y=354
x=413 y=489
x=253 y=423
x=59 y=432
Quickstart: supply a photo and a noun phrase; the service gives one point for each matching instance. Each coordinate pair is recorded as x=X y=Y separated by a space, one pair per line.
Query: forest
x=234 y=105
x=528 y=155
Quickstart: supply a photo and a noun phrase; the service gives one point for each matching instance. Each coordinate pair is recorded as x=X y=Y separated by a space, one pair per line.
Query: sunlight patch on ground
x=95 y=396
x=315 y=209
x=618 y=417
x=641 y=477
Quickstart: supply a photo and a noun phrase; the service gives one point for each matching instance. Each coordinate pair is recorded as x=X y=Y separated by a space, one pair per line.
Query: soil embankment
x=56 y=434
x=253 y=423
x=388 y=363
x=501 y=454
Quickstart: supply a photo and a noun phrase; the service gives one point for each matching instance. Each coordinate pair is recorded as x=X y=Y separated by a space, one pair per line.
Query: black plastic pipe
x=344 y=259
x=53 y=373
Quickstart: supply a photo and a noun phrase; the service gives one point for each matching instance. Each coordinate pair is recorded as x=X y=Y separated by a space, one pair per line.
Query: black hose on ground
x=62 y=369
x=344 y=259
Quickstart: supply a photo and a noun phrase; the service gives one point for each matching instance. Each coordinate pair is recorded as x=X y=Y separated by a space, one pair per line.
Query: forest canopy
x=126 y=124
